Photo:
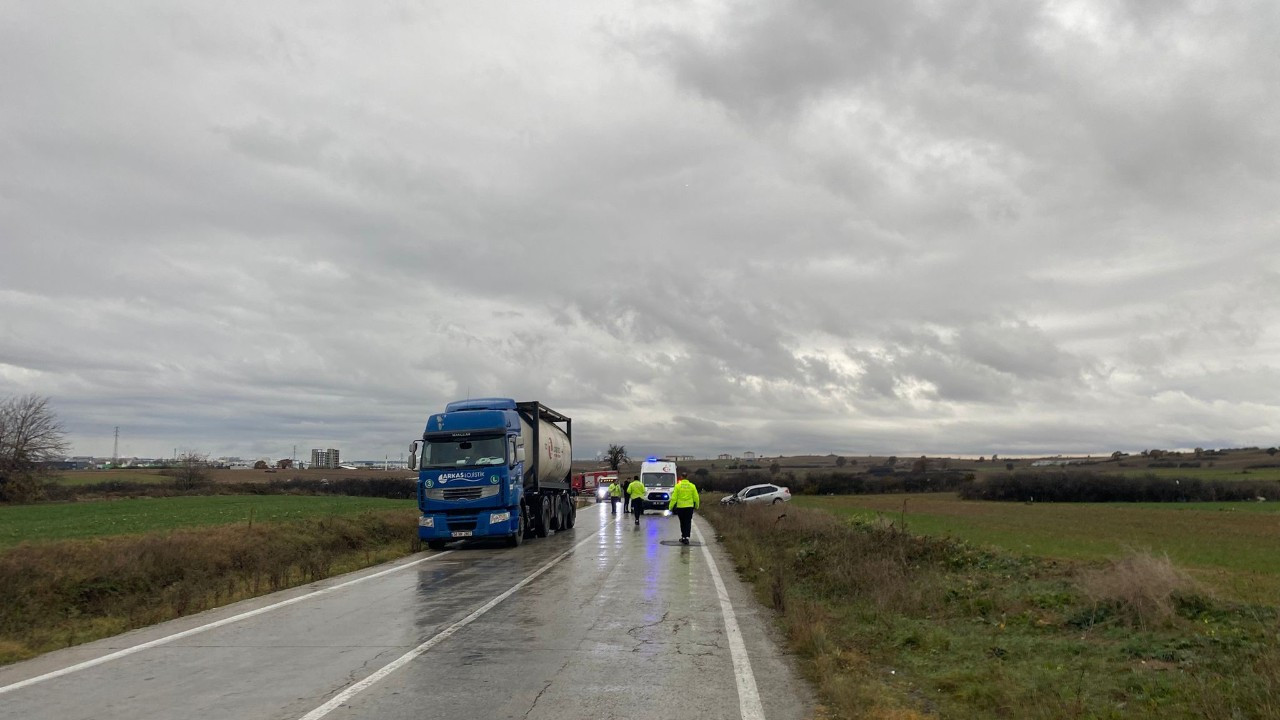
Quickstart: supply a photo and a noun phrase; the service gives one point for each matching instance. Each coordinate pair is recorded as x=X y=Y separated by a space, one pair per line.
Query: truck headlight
x=499 y=517
x=427 y=521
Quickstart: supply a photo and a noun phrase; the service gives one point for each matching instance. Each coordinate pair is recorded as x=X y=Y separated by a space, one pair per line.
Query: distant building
x=724 y=456
x=324 y=458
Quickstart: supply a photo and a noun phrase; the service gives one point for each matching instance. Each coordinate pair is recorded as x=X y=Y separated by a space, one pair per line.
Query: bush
x=390 y=487
x=876 y=481
x=835 y=483
x=1084 y=486
x=1139 y=587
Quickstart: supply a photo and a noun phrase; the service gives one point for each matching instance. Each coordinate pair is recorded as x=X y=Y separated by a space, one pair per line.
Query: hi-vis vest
x=683 y=495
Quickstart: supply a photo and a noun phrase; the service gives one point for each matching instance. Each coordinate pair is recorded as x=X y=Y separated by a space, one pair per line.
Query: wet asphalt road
x=606 y=620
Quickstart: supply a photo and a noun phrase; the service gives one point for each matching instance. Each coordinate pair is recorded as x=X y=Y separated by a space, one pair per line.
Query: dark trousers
x=613 y=504
x=637 y=509
x=686 y=521
x=626 y=504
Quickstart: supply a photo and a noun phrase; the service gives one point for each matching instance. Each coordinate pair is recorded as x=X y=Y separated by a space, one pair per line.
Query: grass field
x=893 y=625
x=1231 y=547
x=60 y=521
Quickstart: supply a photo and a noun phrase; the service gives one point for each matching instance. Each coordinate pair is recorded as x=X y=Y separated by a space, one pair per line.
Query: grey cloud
x=794 y=226
x=303 y=146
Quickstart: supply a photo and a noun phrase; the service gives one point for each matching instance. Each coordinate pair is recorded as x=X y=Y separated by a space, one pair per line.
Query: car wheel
x=777 y=500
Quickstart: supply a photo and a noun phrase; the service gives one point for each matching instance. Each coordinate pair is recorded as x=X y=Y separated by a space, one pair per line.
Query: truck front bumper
x=456 y=526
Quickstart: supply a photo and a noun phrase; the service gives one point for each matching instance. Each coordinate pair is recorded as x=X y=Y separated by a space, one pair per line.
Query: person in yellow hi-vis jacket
x=684 y=500
x=636 y=491
x=615 y=494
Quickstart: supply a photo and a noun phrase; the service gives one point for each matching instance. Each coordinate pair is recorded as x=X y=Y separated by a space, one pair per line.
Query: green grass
x=1229 y=546
x=60 y=521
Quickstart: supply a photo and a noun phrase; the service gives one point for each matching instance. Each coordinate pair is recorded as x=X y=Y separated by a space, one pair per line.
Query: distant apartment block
x=324 y=458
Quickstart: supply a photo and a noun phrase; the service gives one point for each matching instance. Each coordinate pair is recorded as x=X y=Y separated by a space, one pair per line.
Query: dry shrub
x=806 y=624
x=1140 y=586
x=875 y=562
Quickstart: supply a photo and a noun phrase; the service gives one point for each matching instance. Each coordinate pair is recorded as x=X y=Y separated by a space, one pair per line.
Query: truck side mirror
x=413 y=454
x=520 y=450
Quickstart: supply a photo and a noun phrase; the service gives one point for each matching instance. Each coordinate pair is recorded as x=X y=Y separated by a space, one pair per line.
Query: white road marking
x=408 y=657
x=216 y=624
x=749 y=706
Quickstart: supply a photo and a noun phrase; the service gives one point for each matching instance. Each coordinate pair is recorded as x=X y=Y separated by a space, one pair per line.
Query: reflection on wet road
x=607 y=620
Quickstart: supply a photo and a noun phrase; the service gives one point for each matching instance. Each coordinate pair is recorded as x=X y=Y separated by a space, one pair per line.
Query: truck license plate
x=461 y=533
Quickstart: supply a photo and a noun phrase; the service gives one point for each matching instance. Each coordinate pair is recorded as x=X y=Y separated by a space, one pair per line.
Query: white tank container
x=552 y=457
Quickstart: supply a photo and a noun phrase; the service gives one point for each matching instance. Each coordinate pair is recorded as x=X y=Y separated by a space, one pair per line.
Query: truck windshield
x=470 y=451
x=652 y=480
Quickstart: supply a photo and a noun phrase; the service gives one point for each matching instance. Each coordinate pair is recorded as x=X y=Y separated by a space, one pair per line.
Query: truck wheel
x=542 y=527
x=436 y=544
x=571 y=514
x=518 y=537
x=557 y=515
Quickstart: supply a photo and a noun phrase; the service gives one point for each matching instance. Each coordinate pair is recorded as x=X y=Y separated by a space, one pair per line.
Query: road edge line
x=749 y=706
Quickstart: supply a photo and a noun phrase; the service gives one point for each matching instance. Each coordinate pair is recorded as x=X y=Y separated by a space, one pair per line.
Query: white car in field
x=758 y=494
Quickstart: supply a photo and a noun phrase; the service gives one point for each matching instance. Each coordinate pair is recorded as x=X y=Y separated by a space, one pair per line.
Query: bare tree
x=30 y=436
x=617 y=456
x=189 y=470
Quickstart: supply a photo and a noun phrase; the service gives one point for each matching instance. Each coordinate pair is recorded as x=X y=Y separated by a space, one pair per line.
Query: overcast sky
x=883 y=227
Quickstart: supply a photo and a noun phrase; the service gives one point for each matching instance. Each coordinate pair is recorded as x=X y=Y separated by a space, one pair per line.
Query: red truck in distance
x=595 y=482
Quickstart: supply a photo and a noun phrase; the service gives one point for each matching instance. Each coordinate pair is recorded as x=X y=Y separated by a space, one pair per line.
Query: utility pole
x=115 y=449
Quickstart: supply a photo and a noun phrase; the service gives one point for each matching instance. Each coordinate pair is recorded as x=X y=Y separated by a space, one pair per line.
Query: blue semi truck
x=494 y=467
